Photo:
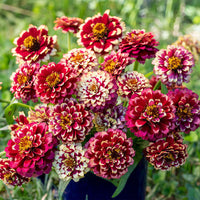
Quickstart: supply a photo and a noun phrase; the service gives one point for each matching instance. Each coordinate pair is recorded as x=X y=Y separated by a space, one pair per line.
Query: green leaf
x=164 y=89
x=9 y=113
x=124 y=179
x=156 y=87
x=192 y=137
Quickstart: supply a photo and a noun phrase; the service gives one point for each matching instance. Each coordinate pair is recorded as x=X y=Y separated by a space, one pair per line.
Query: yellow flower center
x=8 y=178
x=77 y=58
x=183 y=113
x=53 y=79
x=25 y=143
x=93 y=87
x=152 y=111
x=110 y=66
x=21 y=79
x=132 y=82
x=174 y=63
x=31 y=43
x=69 y=162
x=99 y=30
x=65 y=121
x=169 y=157
x=114 y=155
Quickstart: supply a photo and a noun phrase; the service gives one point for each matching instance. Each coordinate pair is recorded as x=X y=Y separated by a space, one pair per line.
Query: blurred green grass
x=166 y=19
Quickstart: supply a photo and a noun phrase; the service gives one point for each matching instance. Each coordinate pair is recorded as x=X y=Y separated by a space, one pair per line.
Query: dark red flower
x=139 y=45
x=68 y=24
x=34 y=45
x=101 y=33
x=150 y=114
x=187 y=116
x=31 y=150
x=110 y=153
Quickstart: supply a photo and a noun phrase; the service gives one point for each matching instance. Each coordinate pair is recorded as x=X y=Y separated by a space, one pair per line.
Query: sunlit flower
x=23 y=82
x=34 y=45
x=83 y=60
x=110 y=153
x=111 y=118
x=54 y=82
x=173 y=65
x=97 y=90
x=31 y=150
x=139 y=45
x=101 y=33
x=9 y=176
x=187 y=116
x=70 y=162
x=115 y=62
x=165 y=154
x=70 y=122
x=40 y=114
x=189 y=43
x=130 y=83
x=150 y=114
x=68 y=24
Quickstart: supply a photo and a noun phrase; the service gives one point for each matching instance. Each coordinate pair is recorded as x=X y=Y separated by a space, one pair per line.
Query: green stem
x=69 y=41
x=135 y=68
x=158 y=84
x=8 y=191
x=25 y=106
x=2 y=153
x=4 y=101
x=148 y=74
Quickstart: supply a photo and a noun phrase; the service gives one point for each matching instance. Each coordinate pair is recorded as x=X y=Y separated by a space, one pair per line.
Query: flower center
x=8 y=178
x=53 y=79
x=183 y=113
x=31 y=43
x=99 y=30
x=25 y=143
x=69 y=162
x=132 y=82
x=77 y=58
x=169 y=157
x=114 y=155
x=65 y=121
x=93 y=87
x=110 y=66
x=152 y=111
x=174 y=63
x=22 y=79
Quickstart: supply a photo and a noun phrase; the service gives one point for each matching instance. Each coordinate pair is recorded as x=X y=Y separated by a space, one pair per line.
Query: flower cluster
x=92 y=106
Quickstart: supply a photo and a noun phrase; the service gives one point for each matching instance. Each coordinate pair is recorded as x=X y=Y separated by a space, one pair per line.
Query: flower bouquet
x=94 y=110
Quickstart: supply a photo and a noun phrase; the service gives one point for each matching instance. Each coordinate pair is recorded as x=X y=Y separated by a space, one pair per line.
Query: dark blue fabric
x=92 y=187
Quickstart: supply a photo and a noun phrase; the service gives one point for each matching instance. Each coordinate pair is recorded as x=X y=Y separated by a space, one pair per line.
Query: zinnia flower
x=9 y=176
x=110 y=153
x=68 y=24
x=111 y=118
x=130 y=83
x=70 y=122
x=189 y=43
x=31 y=150
x=83 y=60
x=187 y=116
x=40 y=114
x=139 y=45
x=173 y=65
x=23 y=82
x=101 y=33
x=165 y=154
x=70 y=162
x=150 y=114
x=115 y=63
x=55 y=82
x=97 y=90
x=35 y=45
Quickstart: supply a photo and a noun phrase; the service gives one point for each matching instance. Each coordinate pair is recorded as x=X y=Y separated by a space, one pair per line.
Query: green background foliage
x=166 y=19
